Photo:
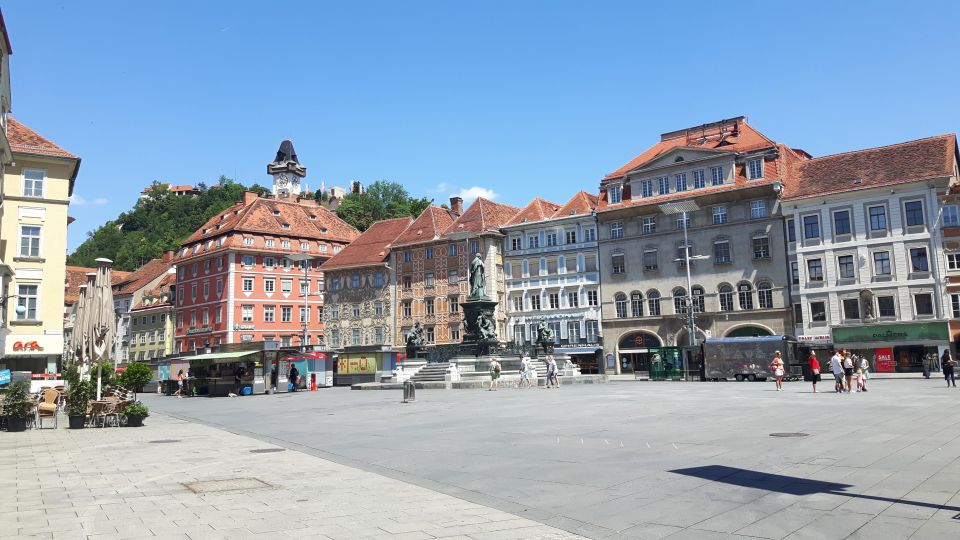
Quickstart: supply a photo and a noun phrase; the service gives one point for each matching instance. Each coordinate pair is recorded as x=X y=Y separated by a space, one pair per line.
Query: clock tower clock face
x=287 y=182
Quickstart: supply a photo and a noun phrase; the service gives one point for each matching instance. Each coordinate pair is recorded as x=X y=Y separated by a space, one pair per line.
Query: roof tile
x=371 y=247
x=25 y=140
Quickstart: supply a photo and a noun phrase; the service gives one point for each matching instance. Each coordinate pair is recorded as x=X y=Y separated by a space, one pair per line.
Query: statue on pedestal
x=478 y=279
x=414 y=340
x=545 y=338
x=866 y=305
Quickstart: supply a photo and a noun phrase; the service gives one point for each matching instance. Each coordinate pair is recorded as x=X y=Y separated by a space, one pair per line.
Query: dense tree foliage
x=381 y=200
x=158 y=222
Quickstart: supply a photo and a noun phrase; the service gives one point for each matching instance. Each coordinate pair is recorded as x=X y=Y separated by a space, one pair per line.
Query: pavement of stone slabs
x=622 y=460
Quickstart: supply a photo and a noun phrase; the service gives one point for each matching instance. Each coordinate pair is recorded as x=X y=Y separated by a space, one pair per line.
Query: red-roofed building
x=874 y=241
x=128 y=293
x=552 y=276
x=730 y=176
x=431 y=260
x=179 y=190
x=238 y=277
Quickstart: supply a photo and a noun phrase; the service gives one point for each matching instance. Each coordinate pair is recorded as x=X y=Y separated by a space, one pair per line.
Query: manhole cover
x=789 y=434
x=229 y=484
x=267 y=450
x=164 y=441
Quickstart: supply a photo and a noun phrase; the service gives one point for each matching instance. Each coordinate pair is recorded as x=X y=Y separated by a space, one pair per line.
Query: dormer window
x=276 y=212
x=285 y=225
x=248 y=241
x=754 y=169
x=678 y=159
x=313 y=217
x=615 y=194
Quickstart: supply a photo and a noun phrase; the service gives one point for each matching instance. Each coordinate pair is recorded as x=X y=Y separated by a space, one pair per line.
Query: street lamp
x=19 y=310
x=303 y=258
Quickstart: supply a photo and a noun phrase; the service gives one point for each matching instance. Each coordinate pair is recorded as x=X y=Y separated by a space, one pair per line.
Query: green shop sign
x=893 y=333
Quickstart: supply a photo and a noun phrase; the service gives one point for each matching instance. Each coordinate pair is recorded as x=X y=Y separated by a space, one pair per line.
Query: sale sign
x=884 y=359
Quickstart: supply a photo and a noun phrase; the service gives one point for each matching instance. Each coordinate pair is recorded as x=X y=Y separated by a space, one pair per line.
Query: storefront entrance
x=897 y=348
x=637 y=351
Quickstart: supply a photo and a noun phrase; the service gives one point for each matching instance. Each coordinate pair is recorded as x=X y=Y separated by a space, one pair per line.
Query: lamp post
x=303 y=258
x=19 y=310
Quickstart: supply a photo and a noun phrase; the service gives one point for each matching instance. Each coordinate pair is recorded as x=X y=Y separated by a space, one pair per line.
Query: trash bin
x=409 y=391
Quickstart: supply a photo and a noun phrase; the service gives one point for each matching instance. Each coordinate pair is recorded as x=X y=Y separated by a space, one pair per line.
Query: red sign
x=26 y=346
x=885 y=363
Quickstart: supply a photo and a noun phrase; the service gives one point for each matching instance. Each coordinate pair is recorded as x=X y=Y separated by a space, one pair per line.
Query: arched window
x=679 y=300
x=697 y=293
x=745 y=293
x=620 y=300
x=765 y=295
x=653 y=303
x=726 y=297
x=636 y=304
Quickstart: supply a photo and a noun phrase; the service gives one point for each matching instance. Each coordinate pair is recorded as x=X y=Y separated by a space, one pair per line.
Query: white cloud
x=80 y=201
x=440 y=188
x=471 y=193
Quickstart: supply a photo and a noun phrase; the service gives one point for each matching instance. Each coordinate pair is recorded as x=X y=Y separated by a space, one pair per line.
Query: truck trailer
x=746 y=358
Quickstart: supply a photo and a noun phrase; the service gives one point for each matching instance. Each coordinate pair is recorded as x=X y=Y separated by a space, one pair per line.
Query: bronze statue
x=478 y=280
x=486 y=329
x=545 y=337
x=414 y=340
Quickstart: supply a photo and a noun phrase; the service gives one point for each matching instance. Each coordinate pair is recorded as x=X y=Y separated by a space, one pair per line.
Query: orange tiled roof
x=25 y=140
x=483 y=216
x=429 y=225
x=923 y=159
x=538 y=210
x=371 y=247
x=77 y=276
x=140 y=277
x=581 y=203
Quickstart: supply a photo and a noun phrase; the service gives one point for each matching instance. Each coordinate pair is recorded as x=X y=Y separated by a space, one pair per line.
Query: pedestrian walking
x=274 y=377
x=814 y=370
x=525 y=372
x=238 y=379
x=294 y=377
x=552 y=381
x=847 y=371
x=494 y=374
x=864 y=373
x=776 y=366
x=181 y=379
x=949 y=365
x=836 y=366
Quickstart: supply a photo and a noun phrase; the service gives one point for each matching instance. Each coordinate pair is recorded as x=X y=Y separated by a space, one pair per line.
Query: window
x=429 y=280
x=615 y=193
x=247 y=261
x=719 y=215
x=953 y=261
x=246 y=314
x=219 y=287
x=378 y=279
x=407 y=256
x=913 y=211
x=679 y=301
x=618 y=264
x=286 y=313
x=725 y=294
x=811 y=227
x=206 y=266
x=683 y=221
x=247 y=241
x=535 y=302
x=881 y=263
x=552 y=236
x=589 y=234
x=636 y=304
x=716 y=175
x=697 y=295
x=918 y=260
x=616 y=229
x=841 y=222
x=851 y=308
x=355 y=309
x=721 y=252
x=886 y=306
x=845 y=266
x=304 y=314
x=798 y=313
x=334 y=312
x=923 y=303
x=270 y=242
x=794 y=273
x=593 y=298
x=571 y=237
x=745 y=293
x=474 y=246
x=378 y=309
x=269 y=314
x=951 y=218
x=650 y=260
x=429 y=304
x=335 y=337
x=653 y=303
x=765 y=295
x=355 y=336
x=699 y=180
x=573 y=299
x=680 y=180
x=878 y=218
x=430 y=334
x=649 y=225
x=533 y=241
x=455 y=333
x=663 y=185
x=286 y=286
x=761 y=247
x=407 y=282
x=593 y=330
x=453 y=304
x=378 y=335
x=791 y=230
x=818 y=311
x=646 y=188
x=755 y=169
x=248 y=284
x=428 y=253
x=193 y=291
x=518 y=303
x=758 y=209
x=193 y=316
x=955 y=305
x=354 y=281
x=27 y=299
x=814 y=270
x=573 y=331
x=269 y=262
x=554 y=300
x=408 y=308
x=620 y=302
x=29 y=241
x=33 y=183
x=285 y=244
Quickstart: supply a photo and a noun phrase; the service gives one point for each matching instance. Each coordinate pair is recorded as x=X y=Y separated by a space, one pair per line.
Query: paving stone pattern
x=641 y=459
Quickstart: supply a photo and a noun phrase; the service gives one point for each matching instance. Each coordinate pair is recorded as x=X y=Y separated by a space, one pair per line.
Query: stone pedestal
x=472 y=309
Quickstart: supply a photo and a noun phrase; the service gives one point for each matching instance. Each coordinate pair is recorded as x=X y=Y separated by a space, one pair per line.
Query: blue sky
x=515 y=98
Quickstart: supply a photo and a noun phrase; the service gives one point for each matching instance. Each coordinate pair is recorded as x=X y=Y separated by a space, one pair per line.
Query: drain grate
x=228 y=484
x=164 y=441
x=267 y=450
x=789 y=435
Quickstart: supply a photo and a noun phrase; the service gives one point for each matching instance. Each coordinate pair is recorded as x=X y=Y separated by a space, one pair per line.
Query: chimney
x=168 y=255
x=249 y=197
x=456 y=205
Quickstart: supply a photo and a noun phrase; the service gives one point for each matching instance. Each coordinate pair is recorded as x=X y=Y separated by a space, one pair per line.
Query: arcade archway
x=636 y=350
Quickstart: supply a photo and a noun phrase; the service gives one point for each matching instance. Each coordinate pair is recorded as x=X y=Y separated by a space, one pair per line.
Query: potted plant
x=18 y=406
x=78 y=398
x=135 y=413
x=135 y=376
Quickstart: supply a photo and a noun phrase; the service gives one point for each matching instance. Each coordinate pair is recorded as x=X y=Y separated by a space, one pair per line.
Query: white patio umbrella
x=101 y=324
x=77 y=342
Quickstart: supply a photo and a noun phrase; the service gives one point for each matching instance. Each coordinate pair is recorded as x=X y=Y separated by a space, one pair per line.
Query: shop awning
x=577 y=350
x=219 y=357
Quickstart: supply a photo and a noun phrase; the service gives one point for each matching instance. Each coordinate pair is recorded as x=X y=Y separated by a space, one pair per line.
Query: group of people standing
x=527 y=373
x=846 y=368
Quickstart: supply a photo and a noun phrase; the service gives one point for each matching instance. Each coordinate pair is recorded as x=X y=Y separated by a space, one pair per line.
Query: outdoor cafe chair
x=49 y=406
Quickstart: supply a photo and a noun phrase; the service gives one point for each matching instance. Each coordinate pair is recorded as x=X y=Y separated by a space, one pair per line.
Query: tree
x=136 y=376
x=381 y=200
x=260 y=190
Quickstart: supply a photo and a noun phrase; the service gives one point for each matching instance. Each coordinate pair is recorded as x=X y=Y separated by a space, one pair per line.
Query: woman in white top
x=777 y=367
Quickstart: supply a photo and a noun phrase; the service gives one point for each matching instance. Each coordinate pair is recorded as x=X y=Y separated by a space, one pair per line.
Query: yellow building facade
x=36 y=188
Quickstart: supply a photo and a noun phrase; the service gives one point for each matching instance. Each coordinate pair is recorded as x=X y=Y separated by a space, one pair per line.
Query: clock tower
x=287 y=171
